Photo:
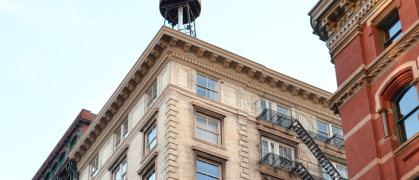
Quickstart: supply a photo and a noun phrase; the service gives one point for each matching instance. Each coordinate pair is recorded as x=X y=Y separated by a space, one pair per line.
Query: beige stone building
x=190 y=110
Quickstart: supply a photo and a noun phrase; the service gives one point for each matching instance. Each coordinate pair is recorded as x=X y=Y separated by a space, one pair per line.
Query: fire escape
x=298 y=166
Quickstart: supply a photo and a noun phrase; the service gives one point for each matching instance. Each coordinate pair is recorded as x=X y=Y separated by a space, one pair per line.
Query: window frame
x=202 y=109
x=151 y=99
x=219 y=135
x=390 y=21
x=321 y=131
x=93 y=173
x=121 y=134
x=207 y=88
x=120 y=167
x=149 y=165
x=399 y=122
x=219 y=165
x=276 y=143
x=204 y=154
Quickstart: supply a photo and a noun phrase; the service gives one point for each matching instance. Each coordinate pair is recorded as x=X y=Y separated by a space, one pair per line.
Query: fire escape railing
x=277 y=161
x=285 y=120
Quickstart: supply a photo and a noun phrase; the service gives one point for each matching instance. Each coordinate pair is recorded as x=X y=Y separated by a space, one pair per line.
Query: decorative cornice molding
x=368 y=75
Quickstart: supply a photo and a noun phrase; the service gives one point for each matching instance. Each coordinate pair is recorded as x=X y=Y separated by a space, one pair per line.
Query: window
x=121 y=134
x=151 y=138
x=282 y=114
x=338 y=140
x=391 y=30
x=206 y=87
x=95 y=166
x=208 y=129
x=207 y=171
x=325 y=176
x=151 y=175
x=118 y=138
x=125 y=129
x=322 y=130
x=280 y=153
x=266 y=105
x=343 y=171
x=152 y=94
x=73 y=142
x=405 y=107
x=121 y=171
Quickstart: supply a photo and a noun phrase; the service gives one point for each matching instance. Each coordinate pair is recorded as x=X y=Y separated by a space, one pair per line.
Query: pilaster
x=170 y=150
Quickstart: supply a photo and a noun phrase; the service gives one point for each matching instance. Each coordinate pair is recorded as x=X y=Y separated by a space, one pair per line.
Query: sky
x=58 y=57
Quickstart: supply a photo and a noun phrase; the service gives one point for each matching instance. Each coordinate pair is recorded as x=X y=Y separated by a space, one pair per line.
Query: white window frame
x=94 y=166
x=328 y=128
x=121 y=134
x=276 y=145
x=151 y=97
x=208 y=131
x=147 y=145
x=207 y=88
x=120 y=168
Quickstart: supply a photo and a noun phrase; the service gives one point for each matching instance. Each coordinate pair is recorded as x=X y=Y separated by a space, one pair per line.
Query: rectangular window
x=121 y=171
x=151 y=138
x=95 y=166
x=208 y=129
x=152 y=94
x=151 y=175
x=118 y=138
x=280 y=154
x=283 y=117
x=125 y=129
x=342 y=171
x=338 y=140
x=322 y=129
x=269 y=110
x=206 y=87
x=207 y=171
x=391 y=30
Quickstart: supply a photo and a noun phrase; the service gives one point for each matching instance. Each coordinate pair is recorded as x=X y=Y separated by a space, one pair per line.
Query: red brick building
x=57 y=165
x=374 y=47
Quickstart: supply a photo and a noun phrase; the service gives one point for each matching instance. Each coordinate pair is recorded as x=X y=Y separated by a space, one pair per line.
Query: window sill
x=152 y=151
x=403 y=147
x=211 y=144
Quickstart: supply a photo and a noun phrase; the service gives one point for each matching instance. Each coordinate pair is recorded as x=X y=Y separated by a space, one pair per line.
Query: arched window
x=406 y=108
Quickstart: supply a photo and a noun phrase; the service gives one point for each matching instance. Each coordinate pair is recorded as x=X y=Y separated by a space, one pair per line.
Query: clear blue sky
x=57 y=57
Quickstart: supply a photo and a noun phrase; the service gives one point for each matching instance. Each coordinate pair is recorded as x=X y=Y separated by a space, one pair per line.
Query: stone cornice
x=366 y=75
x=254 y=86
x=333 y=20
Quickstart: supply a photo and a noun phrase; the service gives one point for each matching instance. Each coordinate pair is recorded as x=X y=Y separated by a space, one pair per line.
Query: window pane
x=212 y=95
x=200 y=176
x=265 y=148
x=211 y=178
x=152 y=134
x=213 y=126
x=201 y=91
x=201 y=80
x=212 y=84
x=155 y=89
x=411 y=125
x=213 y=170
x=117 y=175
x=408 y=102
x=201 y=166
x=393 y=30
x=201 y=134
x=322 y=126
x=323 y=134
x=152 y=176
x=282 y=110
x=150 y=94
x=201 y=122
x=212 y=138
x=124 y=167
x=336 y=130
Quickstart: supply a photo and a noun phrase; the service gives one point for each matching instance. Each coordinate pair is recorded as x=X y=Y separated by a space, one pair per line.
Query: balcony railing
x=285 y=120
x=277 y=161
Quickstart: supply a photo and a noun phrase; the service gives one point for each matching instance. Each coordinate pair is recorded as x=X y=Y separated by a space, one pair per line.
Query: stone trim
x=368 y=75
x=147 y=164
x=244 y=150
x=372 y=164
x=170 y=150
x=358 y=126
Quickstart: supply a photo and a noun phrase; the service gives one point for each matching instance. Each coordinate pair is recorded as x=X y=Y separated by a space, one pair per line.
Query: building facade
x=374 y=47
x=191 y=110
x=57 y=165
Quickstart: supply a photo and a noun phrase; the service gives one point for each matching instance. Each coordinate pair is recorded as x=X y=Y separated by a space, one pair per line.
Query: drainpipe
x=180 y=18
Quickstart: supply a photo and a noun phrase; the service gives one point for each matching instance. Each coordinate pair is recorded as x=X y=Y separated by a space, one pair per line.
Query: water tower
x=182 y=13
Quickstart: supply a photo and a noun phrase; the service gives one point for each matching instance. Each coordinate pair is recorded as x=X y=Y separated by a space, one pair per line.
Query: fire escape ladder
x=301 y=171
x=314 y=148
